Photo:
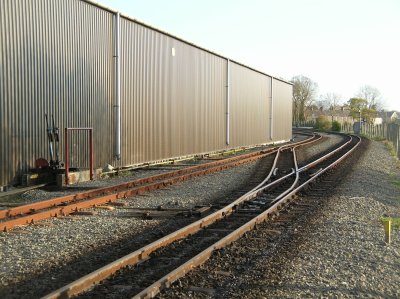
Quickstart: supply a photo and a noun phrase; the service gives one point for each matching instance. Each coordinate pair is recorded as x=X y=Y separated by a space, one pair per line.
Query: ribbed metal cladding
x=250 y=106
x=173 y=96
x=282 y=110
x=55 y=58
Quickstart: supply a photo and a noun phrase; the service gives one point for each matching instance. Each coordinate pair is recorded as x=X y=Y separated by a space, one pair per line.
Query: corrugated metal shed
x=57 y=58
x=282 y=110
x=173 y=104
x=249 y=106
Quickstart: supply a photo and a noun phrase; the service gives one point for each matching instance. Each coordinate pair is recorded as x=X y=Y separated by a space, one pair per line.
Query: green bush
x=336 y=126
x=322 y=124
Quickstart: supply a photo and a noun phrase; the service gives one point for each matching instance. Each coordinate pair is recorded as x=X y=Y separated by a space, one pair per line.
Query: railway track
x=61 y=206
x=160 y=263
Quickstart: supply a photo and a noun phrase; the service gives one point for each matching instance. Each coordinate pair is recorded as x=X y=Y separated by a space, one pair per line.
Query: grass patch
x=378 y=138
x=396 y=183
x=395 y=221
x=390 y=148
x=125 y=173
x=233 y=152
x=228 y=153
x=242 y=151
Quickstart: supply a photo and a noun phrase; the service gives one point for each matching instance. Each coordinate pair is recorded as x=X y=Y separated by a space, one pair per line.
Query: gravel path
x=33 y=253
x=337 y=252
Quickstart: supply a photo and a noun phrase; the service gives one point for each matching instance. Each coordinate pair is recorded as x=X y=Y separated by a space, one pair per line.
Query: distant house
x=377 y=120
x=389 y=116
x=386 y=117
x=339 y=114
x=342 y=115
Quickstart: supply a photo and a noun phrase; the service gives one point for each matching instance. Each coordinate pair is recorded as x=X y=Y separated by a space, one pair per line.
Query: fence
x=304 y=124
x=390 y=132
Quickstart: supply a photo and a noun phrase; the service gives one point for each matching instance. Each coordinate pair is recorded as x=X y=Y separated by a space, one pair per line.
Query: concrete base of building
x=77 y=177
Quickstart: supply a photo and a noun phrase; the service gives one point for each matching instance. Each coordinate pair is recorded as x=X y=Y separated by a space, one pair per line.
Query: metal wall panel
x=56 y=58
x=173 y=96
x=282 y=110
x=250 y=106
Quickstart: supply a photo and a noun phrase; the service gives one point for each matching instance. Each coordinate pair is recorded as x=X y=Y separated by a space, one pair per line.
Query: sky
x=340 y=44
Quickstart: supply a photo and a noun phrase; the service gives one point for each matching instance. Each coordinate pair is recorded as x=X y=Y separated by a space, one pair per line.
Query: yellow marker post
x=387 y=223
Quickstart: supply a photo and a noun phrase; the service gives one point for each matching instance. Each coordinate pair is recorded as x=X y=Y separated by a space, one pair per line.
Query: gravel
x=50 y=251
x=125 y=176
x=78 y=236
x=328 y=140
x=336 y=252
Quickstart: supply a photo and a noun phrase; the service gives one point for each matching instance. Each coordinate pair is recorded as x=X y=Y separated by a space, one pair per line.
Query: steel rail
x=29 y=208
x=322 y=171
x=251 y=194
x=54 y=210
x=100 y=191
x=305 y=167
x=141 y=254
x=92 y=202
x=269 y=174
x=308 y=166
x=203 y=256
x=284 y=147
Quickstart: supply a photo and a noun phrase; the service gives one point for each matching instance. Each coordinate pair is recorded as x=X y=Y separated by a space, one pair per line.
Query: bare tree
x=304 y=90
x=331 y=100
x=372 y=95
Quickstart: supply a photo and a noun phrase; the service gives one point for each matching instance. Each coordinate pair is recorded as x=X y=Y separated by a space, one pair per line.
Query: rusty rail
x=84 y=200
x=89 y=280
x=202 y=257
